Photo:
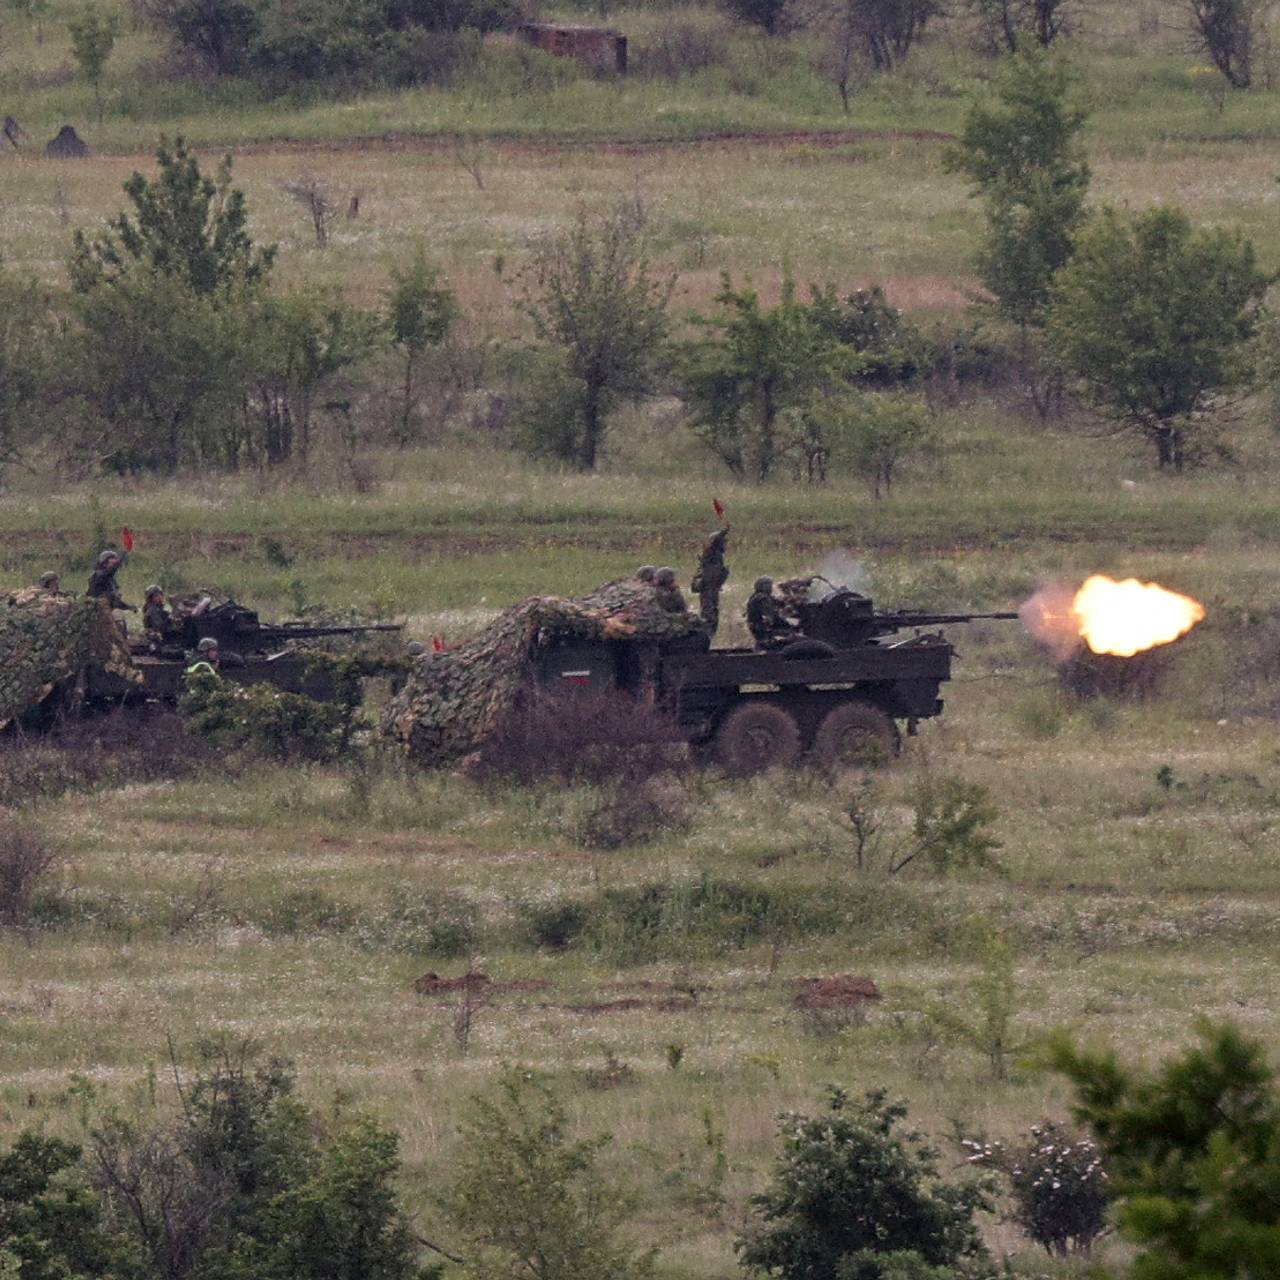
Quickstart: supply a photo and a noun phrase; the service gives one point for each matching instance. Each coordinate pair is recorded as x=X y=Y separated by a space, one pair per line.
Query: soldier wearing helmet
x=157 y=620
x=207 y=658
x=51 y=583
x=667 y=591
x=102 y=583
x=646 y=573
x=766 y=620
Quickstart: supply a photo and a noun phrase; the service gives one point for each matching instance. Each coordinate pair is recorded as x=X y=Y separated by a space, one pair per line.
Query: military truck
x=837 y=689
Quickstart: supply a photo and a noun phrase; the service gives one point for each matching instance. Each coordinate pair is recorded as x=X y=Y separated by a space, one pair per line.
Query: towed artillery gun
x=60 y=653
x=254 y=652
x=836 y=691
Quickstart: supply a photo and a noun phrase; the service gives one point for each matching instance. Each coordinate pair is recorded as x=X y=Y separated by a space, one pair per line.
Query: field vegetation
x=678 y=960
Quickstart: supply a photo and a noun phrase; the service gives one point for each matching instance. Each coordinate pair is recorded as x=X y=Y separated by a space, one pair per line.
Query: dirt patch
x=840 y=992
x=670 y=1004
x=432 y=984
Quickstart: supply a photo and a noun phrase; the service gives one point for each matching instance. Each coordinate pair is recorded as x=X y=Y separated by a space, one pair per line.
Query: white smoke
x=1049 y=616
x=841 y=569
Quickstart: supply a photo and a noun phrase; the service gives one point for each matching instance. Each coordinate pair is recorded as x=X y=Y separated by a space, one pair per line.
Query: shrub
x=854 y=1198
x=679 y=48
x=589 y=738
x=532 y=1201
x=25 y=862
x=631 y=815
x=306 y=911
x=1059 y=1186
x=425 y=923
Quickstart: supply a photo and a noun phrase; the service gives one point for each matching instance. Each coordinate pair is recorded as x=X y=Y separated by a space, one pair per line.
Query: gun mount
x=845 y=619
x=239 y=629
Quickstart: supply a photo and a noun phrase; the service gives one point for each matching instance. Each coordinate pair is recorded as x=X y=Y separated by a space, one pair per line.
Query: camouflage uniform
x=710 y=578
x=157 y=620
x=667 y=592
x=766 y=619
x=102 y=584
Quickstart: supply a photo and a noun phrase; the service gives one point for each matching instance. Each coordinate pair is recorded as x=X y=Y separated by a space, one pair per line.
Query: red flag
x=437 y=644
x=719 y=506
x=126 y=538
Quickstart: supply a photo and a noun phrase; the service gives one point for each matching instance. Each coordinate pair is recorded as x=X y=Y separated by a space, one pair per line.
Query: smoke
x=841 y=569
x=1049 y=616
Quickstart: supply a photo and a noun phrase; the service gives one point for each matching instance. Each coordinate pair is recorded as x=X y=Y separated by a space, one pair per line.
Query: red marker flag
x=719 y=507
x=126 y=538
x=437 y=644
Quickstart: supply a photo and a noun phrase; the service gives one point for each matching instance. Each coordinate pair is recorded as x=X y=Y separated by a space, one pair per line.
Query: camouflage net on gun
x=46 y=639
x=452 y=701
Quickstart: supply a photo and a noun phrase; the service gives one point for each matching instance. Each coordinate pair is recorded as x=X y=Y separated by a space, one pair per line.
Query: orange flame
x=1120 y=618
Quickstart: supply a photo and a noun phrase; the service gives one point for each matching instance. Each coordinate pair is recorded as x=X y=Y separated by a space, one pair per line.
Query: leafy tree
x=93 y=36
x=773 y=17
x=871 y=434
x=891 y=351
x=29 y=344
x=217 y=34
x=531 y=1201
x=841 y=56
x=1007 y=24
x=855 y=1198
x=1154 y=318
x=891 y=27
x=420 y=314
x=592 y=294
x=1021 y=149
x=1193 y=1149
x=764 y=362
x=32 y=9
x=184 y=225
x=296 y=345
x=246 y=1182
x=161 y=367
x=50 y=1221
x=1227 y=29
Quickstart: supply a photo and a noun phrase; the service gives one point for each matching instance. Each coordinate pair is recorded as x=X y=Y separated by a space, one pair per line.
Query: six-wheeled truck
x=836 y=690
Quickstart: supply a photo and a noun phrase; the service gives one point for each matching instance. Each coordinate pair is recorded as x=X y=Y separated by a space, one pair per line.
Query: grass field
x=1139 y=881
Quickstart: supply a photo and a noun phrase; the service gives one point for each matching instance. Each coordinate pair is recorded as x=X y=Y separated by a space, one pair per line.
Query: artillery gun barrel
x=895 y=620
x=286 y=632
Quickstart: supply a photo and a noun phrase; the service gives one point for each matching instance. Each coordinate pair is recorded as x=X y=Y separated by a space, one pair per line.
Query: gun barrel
x=936 y=619
x=284 y=632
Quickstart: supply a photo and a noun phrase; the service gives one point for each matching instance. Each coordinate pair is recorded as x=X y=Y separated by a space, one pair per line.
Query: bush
x=631 y=815
x=25 y=861
x=680 y=48
x=1059 y=1186
x=854 y=1198
x=589 y=738
x=424 y=923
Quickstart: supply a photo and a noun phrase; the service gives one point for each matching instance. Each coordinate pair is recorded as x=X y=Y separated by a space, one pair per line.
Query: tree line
x=230 y=1175
x=172 y=347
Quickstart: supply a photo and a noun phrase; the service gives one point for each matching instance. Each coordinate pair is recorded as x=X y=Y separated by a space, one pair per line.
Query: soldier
x=667 y=591
x=207 y=659
x=646 y=573
x=765 y=618
x=157 y=620
x=710 y=578
x=51 y=583
x=102 y=584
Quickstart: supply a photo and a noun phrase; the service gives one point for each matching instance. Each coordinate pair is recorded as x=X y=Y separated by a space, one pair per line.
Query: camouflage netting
x=46 y=639
x=451 y=701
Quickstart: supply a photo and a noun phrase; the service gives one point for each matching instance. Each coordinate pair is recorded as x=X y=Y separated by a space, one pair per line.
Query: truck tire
x=798 y=650
x=855 y=733
x=757 y=736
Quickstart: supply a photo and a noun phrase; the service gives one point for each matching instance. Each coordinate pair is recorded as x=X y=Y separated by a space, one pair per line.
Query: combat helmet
x=206 y=644
x=103 y=556
x=49 y=579
x=763 y=585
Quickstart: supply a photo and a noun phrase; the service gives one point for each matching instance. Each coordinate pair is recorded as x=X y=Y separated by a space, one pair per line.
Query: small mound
x=841 y=992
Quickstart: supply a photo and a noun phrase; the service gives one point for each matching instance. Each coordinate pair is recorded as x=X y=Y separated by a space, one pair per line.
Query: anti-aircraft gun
x=254 y=652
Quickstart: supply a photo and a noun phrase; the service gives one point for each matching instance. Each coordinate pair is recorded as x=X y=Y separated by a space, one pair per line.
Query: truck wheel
x=855 y=733
x=757 y=736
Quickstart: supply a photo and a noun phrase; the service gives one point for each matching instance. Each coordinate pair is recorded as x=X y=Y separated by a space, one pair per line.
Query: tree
x=872 y=433
x=531 y=1201
x=184 y=225
x=217 y=34
x=29 y=336
x=1226 y=30
x=891 y=27
x=93 y=36
x=592 y=294
x=855 y=1198
x=32 y=9
x=773 y=17
x=420 y=313
x=842 y=55
x=162 y=368
x=1021 y=149
x=1006 y=24
x=1153 y=319
x=1193 y=1150
x=763 y=363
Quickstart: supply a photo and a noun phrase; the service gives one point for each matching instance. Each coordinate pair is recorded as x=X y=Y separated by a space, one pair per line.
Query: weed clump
x=596 y=739
x=26 y=860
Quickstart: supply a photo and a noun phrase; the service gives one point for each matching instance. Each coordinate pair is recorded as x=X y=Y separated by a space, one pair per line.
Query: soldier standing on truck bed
x=157 y=620
x=766 y=619
x=102 y=583
x=667 y=591
x=710 y=578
